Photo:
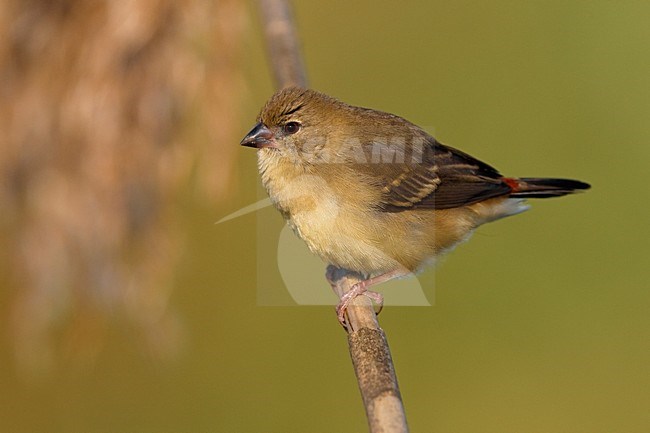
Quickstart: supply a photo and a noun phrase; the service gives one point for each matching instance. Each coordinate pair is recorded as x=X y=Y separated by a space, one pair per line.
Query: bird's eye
x=291 y=127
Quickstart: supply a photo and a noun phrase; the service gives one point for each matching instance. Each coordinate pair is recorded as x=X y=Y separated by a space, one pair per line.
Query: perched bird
x=371 y=192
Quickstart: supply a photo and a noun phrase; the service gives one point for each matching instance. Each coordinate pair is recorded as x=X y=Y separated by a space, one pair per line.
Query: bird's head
x=298 y=123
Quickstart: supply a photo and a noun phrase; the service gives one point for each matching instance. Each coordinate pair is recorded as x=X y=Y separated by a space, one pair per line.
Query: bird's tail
x=530 y=187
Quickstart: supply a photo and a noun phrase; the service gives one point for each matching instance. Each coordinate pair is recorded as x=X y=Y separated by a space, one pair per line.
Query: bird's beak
x=260 y=136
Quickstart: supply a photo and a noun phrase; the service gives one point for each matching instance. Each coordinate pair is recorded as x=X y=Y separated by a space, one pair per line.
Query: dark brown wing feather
x=445 y=178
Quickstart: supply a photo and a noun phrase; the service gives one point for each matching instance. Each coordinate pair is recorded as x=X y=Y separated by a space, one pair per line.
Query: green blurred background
x=541 y=322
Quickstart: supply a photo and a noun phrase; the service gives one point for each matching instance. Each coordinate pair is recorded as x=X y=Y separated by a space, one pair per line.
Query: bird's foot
x=358 y=289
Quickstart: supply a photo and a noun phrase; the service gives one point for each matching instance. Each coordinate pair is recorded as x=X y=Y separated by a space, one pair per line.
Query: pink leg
x=361 y=288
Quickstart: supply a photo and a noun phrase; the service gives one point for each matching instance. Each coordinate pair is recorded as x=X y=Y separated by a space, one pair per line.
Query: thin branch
x=371 y=358
x=367 y=342
x=282 y=43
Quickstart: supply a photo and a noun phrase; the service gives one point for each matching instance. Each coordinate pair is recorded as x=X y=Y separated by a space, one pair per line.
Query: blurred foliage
x=108 y=109
x=540 y=322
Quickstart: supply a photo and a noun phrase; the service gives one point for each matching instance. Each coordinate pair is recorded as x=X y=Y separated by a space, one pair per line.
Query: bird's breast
x=331 y=211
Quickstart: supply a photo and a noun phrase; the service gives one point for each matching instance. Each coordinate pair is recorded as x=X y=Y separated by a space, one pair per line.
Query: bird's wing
x=437 y=177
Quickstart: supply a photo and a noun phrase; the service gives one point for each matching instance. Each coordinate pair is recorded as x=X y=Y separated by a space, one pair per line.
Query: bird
x=371 y=192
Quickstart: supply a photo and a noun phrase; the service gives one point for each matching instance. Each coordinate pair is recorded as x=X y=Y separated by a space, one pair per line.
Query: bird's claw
x=357 y=290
